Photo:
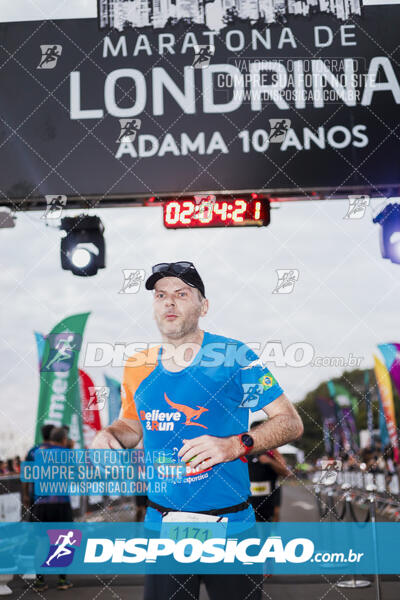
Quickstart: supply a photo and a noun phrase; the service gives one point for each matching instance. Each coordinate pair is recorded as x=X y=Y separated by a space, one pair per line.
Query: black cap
x=185 y=271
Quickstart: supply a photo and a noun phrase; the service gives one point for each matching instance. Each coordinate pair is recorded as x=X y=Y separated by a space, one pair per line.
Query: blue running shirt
x=212 y=396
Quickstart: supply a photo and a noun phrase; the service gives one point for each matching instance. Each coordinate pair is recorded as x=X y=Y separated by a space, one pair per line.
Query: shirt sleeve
x=128 y=405
x=31 y=454
x=137 y=368
x=256 y=385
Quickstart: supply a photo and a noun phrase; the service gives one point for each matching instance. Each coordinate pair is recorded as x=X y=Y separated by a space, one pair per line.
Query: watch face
x=247 y=440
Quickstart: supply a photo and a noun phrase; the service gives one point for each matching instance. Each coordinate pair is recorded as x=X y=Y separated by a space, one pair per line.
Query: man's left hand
x=209 y=450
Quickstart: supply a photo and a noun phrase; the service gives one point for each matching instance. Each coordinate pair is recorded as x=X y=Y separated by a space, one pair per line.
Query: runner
x=49 y=509
x=264 y=470
x=197 y=407
x=27 y=488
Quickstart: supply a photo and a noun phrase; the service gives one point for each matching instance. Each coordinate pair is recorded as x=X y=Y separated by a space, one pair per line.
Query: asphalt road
x=298 y=505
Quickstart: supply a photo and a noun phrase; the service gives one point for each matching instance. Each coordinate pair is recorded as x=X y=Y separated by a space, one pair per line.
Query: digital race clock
x=210 y=212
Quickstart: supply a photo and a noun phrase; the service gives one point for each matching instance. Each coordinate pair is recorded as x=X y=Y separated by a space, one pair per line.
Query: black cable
x=354 y=516
x=322 y=514
x=343 y=510
x=334 y=511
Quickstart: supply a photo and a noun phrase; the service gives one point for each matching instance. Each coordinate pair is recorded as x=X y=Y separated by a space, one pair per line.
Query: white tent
x=289 y=449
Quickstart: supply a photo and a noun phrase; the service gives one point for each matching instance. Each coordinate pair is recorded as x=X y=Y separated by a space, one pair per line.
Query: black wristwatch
x=247 y=442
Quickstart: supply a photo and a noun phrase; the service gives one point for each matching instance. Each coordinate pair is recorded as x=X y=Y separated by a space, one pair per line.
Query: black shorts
x=277 y=496
x=141 y=500
x=263 y=507
x=187 y=587
x=45 y=512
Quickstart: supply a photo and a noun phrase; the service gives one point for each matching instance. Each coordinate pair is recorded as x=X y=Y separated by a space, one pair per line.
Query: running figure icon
x=50 y=55
x=64 y=352
x=62 y=549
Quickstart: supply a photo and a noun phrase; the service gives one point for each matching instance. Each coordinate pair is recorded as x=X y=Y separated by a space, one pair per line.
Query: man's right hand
x=105 y=440
x=123 y=433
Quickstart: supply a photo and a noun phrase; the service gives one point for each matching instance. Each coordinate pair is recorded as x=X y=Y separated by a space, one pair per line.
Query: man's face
x=177 y=307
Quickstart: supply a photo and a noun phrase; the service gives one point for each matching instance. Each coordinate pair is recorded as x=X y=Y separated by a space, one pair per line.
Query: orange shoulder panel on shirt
x=137 y=368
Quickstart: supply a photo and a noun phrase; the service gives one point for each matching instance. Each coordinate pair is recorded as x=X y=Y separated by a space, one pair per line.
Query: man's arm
x=123 y=433
x=27 y=486
x=277 y=462
x=25 y=494
x=284 y=425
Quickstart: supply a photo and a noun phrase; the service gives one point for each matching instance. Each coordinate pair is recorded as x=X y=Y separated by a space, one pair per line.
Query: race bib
x=173 y=528
x=260 y=488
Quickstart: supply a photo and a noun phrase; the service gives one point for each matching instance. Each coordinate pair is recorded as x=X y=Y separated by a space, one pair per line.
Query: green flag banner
x=344 y=398
x=59 y=396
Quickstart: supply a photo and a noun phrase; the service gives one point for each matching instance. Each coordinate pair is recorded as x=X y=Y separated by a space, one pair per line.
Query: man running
x=196 y=378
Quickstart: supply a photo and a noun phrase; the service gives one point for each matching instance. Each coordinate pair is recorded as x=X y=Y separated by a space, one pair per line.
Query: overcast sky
x=345 y=301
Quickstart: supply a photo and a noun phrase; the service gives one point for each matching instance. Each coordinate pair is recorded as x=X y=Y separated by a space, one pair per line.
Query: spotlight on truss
x=83 y=246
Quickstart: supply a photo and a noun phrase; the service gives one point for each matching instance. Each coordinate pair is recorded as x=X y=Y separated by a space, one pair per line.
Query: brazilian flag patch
x=267 y=381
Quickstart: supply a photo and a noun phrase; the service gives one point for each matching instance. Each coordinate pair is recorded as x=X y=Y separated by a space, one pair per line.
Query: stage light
x=82 y=247
x=389 y=219
x=81 y=257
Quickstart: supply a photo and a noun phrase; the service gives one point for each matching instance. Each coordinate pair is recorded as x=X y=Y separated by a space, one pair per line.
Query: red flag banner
x=90 y=408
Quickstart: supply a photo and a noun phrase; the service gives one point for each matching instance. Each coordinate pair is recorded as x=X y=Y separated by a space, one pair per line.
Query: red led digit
x=188 y=209
x=216 y=213
x=172 y=208
x=206 y=212
x=237 y=214
x=221 y=208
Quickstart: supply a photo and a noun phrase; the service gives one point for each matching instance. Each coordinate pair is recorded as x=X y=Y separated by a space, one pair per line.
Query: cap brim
x=154 y=277
x=152 y=280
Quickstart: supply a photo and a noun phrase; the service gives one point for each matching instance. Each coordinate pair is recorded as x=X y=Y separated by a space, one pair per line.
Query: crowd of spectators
x=11 y=466
x=371 y=459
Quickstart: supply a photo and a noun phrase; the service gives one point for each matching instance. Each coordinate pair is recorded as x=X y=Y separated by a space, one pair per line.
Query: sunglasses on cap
x=183 y=269
x=177 y=267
